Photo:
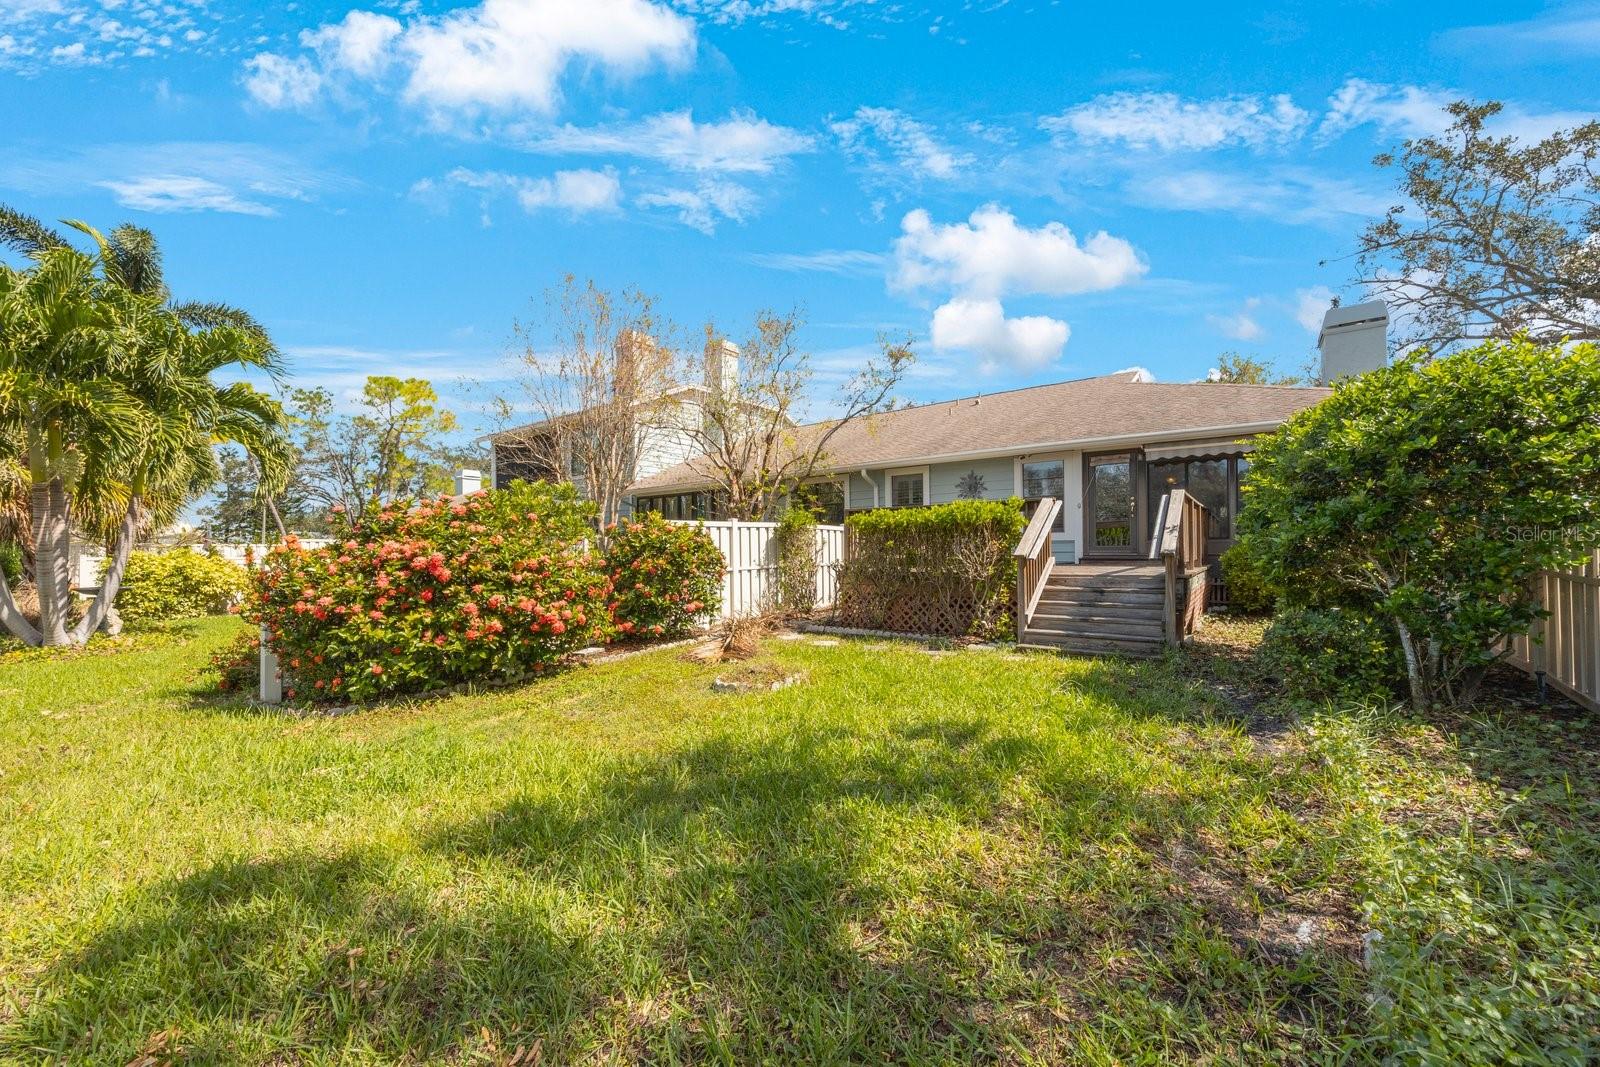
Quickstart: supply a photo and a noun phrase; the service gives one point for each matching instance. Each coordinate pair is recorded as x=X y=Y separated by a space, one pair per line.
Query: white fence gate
x=751 y=552
x=1569 y=654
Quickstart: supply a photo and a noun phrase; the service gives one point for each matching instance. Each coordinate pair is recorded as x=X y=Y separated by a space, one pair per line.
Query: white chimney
x=468 y=481
x=1354 y=340
x=722 y=365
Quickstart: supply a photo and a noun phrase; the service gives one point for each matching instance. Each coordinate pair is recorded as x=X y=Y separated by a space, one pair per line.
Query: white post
x=271 y=689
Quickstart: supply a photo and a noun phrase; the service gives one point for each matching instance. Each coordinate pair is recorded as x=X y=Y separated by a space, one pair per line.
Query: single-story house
x=1108 y=447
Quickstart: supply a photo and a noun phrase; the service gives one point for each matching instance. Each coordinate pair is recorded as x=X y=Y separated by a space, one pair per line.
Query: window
x=680 y=506
x=825 y=500
x=1207 y=480
x=1042 y=478
x=908 y=490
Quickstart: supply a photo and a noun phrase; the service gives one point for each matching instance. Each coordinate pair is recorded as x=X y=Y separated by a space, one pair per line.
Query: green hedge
x=180 y=584
x=1333 y=654
x=943 y=570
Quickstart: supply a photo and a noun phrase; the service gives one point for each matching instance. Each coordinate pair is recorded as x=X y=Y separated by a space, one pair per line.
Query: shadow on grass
x=816 y=894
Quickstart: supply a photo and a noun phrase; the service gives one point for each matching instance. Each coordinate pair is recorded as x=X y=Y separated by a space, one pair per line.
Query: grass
x=912 y=856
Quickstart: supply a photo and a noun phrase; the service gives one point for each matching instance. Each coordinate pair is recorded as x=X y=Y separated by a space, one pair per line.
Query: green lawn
x=914 y=855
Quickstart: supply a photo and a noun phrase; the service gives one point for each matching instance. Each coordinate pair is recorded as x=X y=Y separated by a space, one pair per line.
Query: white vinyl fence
x=751 y=552
x=1569 y=654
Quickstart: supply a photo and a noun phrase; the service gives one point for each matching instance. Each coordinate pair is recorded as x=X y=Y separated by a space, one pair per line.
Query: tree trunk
x=1421 y=697
x=12 y=619
x=127 y=533
x=50 y=561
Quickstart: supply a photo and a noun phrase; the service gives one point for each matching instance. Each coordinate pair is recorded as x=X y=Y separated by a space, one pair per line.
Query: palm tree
x=106 y=395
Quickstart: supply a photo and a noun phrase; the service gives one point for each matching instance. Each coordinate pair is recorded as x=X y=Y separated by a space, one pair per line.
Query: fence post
x=271 y=688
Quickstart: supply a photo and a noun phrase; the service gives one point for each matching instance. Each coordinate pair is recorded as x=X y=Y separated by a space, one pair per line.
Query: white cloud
x=578 y=192
x=182 y=193
x=980 y=325
x=734 y=12
x=910 y=143
x=828 y=261
x=1168 y=122
x=739 y=144
x=1563 y=31
x=276 y=82
x=1404 y=110
x=80 y=33
x=1310 y=307
x=1241 y=325
x=239 y=178
x=705 y=205
x=499 y=56
x=1286 y=194
x=1401 y=111
x=360 y=44
x=991 y=255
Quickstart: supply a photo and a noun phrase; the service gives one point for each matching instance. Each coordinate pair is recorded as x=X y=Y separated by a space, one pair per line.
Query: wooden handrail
x=1181 y=543
x=1044 y=517
x=1034 y=559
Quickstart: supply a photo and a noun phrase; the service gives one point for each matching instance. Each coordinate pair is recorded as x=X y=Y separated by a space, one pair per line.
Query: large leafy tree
x=1430 y=494
x=107 y=402
x=1493 y=237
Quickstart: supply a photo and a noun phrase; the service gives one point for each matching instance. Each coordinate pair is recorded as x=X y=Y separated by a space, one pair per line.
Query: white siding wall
x=668 y=444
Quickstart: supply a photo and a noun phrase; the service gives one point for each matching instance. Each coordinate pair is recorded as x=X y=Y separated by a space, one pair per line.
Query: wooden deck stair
x=1100 y=609
x=1133 y=608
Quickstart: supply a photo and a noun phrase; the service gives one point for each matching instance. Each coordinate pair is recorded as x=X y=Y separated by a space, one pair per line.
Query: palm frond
x=134 y=261
x=26 y=234
x=205 y=315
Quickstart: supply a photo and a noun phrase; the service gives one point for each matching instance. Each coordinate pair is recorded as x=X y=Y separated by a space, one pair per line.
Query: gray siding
x=998 y=477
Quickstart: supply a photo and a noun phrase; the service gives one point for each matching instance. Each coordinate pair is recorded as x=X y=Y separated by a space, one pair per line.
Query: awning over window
x=1197 y=450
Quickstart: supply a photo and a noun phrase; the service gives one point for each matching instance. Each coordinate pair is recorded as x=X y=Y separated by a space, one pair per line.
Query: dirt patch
x=756 y=676
x=1258 y=917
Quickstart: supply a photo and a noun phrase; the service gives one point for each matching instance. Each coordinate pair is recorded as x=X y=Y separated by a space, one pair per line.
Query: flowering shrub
x=665 y=576
x=179 y=584
x=416 y=597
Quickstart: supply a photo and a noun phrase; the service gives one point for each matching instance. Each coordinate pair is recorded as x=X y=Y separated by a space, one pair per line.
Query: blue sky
x=1035 y=191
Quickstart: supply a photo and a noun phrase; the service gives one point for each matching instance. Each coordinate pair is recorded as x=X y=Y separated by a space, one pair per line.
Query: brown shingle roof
x=1062 y=415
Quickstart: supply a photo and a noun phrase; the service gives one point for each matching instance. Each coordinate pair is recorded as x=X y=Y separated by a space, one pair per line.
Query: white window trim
x=890 y=475
x=1067 y=518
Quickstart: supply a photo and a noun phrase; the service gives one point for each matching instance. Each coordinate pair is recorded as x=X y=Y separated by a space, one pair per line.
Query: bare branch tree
x=753 y=447
x=593 y=391
x=1493 y=238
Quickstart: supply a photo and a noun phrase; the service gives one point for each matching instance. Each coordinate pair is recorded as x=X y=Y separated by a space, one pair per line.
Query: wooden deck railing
x=1035 y=561
x=1182 y=523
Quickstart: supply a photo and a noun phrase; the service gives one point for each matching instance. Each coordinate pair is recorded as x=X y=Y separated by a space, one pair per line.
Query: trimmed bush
x=1431 y=494
x=665 y=575
x=943 y=570
x=1247 y=590
x=1333 y=654
x=797 y=561
x=418 y=597
x=180 y=584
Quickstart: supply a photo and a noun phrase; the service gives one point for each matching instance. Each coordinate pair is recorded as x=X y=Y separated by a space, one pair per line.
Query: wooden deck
x=1100 y=609
x=1130 y=607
